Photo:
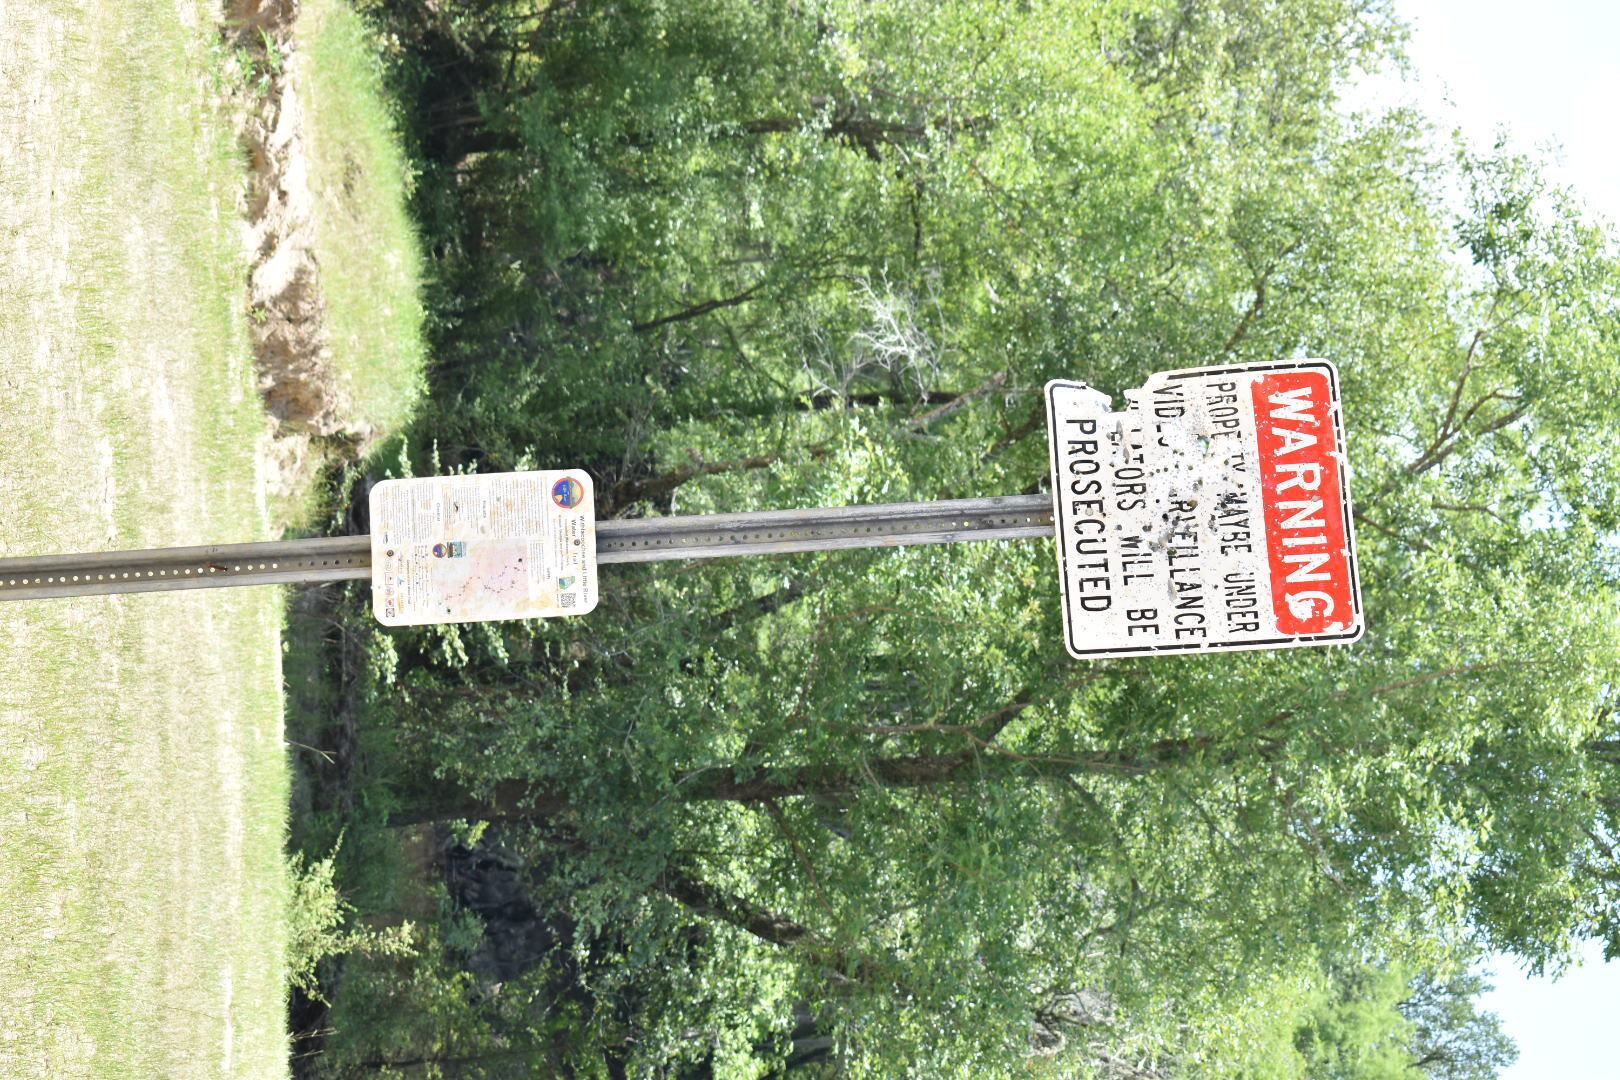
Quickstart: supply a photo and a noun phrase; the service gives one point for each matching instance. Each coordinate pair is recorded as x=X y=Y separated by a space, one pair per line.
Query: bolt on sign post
x=1212 y=513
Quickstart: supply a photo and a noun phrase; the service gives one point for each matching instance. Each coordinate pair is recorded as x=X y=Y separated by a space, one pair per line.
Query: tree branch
x=1440 y=450
x=698 y=310
x=780 y=818
x=1259 y=302
x=713 y=902
x=956 y=403
x=1474 y=509
x=1362 y=519
x=525 y=800
x=710 y=901
x=628 y=492
x=1419 y=680
x=1036 y=417
x=983 y=759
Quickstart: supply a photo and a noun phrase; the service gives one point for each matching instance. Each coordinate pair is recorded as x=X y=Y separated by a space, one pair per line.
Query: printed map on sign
x=1213 y=512
x=482 y=547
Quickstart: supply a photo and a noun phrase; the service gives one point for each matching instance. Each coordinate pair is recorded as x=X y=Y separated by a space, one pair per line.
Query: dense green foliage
x=856 y=814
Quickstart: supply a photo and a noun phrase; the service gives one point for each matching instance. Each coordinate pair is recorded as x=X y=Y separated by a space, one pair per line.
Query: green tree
x=819 y=254
x=1452 y=1039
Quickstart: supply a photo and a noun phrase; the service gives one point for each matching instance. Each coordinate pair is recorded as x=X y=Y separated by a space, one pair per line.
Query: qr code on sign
x=565 y=599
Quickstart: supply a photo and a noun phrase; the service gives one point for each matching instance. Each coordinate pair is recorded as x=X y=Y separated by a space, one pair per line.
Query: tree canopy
x=857 y=812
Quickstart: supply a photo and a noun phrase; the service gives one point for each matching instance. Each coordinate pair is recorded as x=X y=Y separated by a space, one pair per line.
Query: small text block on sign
x=483 y=547
x=1213 y=512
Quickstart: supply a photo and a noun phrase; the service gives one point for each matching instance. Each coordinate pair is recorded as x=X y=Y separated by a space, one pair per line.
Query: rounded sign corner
x=1324 y=363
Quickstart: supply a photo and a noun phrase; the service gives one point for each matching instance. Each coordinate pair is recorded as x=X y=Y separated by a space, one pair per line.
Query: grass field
x=142 y=773
x=143 y=776
x=370 y=270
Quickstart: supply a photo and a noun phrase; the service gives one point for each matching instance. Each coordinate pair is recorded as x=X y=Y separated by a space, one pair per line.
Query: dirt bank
x=309 y=411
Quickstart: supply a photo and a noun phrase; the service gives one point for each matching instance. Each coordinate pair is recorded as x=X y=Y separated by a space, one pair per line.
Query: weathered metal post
x=630 y=540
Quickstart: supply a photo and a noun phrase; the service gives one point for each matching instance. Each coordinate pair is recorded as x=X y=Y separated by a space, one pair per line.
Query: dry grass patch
x=142 y=774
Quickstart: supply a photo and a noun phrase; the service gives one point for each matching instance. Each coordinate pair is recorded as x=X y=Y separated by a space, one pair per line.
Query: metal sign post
x=628 y=540
x=1212 y=513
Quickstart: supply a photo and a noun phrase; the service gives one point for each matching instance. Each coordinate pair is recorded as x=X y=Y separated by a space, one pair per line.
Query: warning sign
x=482 y=547
x=1213 y=512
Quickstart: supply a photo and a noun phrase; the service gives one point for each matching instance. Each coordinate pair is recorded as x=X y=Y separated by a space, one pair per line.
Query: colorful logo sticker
x=568 y=492
x=438 y=551
x=565 y=583
x=458 y=549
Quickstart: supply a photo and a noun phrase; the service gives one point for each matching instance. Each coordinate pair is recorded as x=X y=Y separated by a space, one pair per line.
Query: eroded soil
x=292 y=353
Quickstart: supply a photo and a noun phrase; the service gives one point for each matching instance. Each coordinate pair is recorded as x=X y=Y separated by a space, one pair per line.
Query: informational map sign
x=482 y=547
x=1213 y=512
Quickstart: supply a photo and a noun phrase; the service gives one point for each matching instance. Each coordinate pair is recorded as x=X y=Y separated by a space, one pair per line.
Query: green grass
x=143 y=778
x=369 y=254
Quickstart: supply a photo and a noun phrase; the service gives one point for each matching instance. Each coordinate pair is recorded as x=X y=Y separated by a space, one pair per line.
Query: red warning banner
x=1302 y=495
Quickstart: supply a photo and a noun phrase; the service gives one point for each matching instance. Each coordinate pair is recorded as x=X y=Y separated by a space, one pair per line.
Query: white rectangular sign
x=1213 y=512
x=481 y=547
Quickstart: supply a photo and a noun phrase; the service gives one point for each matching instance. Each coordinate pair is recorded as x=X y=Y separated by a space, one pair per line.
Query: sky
x=1549 y=70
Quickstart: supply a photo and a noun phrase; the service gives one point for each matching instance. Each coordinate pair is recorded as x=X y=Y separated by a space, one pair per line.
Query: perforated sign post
x=1212 y=513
